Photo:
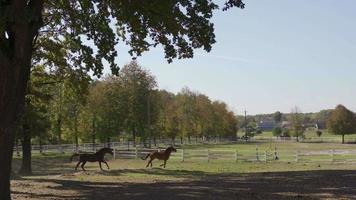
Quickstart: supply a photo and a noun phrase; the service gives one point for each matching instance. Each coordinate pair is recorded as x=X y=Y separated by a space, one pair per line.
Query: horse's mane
x=102 y=150
x=169 y=149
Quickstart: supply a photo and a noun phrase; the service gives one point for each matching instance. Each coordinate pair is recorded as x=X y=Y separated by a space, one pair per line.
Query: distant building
x=266 y=125
x=285 y=124
x=320 y=125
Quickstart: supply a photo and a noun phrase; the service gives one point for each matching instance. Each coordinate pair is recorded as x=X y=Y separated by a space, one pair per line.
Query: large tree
x=342 y=122
x=137 y=84
x=277 y=117
x=35 y=121
x=88 y=32
x=297 y=128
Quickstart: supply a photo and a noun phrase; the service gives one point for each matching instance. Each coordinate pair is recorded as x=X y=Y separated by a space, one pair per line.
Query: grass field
x=55 y=178
x=311 y=134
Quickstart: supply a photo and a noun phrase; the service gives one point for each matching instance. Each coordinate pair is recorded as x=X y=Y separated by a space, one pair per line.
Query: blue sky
x=273 y=55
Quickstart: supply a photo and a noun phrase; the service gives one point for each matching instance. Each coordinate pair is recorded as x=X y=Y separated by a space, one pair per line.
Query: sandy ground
x=322 y=184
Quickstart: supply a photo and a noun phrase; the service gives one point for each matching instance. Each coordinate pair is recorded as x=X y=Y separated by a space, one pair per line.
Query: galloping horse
x=160 y=155
x=93 y=157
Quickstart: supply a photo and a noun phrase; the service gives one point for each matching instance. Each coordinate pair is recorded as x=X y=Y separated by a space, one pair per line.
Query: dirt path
x=337 y=184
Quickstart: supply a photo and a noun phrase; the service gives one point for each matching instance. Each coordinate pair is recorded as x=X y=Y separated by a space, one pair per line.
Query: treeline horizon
x=320 y=117
x=130 y=106
x=76 y=108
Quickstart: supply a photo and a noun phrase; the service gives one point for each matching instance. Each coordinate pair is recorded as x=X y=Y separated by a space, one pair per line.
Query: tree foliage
x=342 y=121
x=297 y=128
x=130 y=106
x=277 y=116
x=277 y=131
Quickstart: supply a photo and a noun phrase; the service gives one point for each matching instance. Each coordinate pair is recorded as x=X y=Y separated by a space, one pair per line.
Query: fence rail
x=213 y=155
x=126 y=150
x=209 y=155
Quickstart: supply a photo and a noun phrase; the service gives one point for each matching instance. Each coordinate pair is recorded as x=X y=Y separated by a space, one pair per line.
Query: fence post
x=332 y=155
x=113 y=146
x=265 y=156
x=60 y=149
x=296 y=156
x=208 y=152
x=236 y=155
x=182 y=155
x=275 y=153
x=136 y=153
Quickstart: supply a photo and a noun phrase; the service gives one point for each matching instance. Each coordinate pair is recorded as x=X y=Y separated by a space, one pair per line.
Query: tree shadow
x=322 y=184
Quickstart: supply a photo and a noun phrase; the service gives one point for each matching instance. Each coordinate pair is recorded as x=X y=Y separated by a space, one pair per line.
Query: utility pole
x=245 y=124
x=149 y=118
x=93 y=131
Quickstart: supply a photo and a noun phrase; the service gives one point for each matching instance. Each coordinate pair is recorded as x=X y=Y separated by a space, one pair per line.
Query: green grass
x=52 y=163
x=54 y=176
x=311 y=134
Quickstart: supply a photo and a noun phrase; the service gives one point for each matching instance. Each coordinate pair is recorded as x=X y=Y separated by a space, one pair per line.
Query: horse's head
x=172 y=149
x=107 y=150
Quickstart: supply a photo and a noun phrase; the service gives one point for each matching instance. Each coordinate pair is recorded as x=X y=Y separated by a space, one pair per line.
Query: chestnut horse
x=160 y=155
x=93 y=157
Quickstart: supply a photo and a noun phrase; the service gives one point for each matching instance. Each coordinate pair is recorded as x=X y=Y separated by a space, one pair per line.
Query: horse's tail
x=74 y=155
x=144 y=158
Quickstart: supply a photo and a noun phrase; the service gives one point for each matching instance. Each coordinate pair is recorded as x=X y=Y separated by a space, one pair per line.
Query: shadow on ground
x=328 y=184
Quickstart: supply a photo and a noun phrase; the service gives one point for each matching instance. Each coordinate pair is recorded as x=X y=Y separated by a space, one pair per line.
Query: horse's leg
x=100 y=166
x=149 y=162
x=163 y=164
x=83 y=165
x=77 y=165
x=106 y=164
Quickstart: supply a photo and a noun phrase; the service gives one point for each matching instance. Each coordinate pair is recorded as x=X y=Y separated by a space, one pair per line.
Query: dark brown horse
x=93 y=157
x=160 y=155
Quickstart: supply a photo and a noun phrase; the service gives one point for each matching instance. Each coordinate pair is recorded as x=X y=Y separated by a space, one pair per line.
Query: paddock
x=318 y=173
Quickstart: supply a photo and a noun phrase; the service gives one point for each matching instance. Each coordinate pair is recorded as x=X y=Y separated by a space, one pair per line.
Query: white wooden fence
x=234 y=155
x=211 y=155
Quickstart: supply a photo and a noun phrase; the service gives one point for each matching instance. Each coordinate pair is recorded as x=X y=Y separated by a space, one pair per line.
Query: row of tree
x=308 y=118
x=74 y=109
x=339 y=121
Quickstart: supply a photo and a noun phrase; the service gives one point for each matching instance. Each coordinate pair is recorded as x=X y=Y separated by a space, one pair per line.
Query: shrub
x=277 y=131
x=285 y=133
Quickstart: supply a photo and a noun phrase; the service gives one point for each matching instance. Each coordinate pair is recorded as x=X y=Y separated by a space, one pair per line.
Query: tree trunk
x=181 y=140
x=134 y=138
x=154 y=141
x=13 y=79
x=15 y=62
x=76 y=144
x=17 y=148
x=108 y=142
x=343 y=139
x=59 y=129
x=41 y=146
x=26 y=151
x=76 y=134
x=6 y=144
x=94 y=148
